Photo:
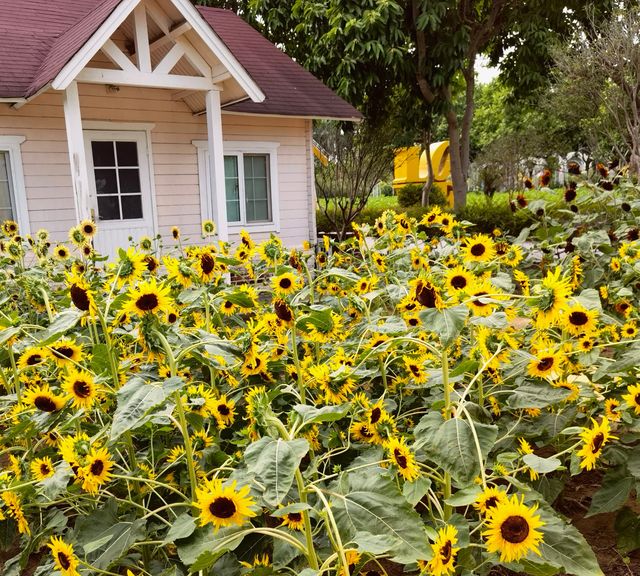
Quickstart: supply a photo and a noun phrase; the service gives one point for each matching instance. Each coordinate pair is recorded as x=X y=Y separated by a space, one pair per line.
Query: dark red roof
x=290 y=90
x=39 y=37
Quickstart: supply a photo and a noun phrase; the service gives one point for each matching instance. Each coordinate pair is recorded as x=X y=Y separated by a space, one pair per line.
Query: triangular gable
x=75 y=68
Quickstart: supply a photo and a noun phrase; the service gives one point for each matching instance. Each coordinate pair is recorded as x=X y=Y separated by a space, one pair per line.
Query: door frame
x=113 y=131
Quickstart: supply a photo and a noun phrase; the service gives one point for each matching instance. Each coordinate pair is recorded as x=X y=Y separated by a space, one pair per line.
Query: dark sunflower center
x=222 y=507
x=545 y=364
x=598 y=441
x=80 y=298
x=224 y=410
x=515 y=529
x=63 y=352
x=295 y=517
x=458 y=282
x=427 y=295
x=45 y=404
x=44 y=469
x=413 y=322
x=207 y=263
x=172 y=317
x=578 y=318
x=97 y=468
x=480 y=302
x=88 y=229
x=283 y=311
x=415 y=370
x=151 y=263
x=228 y=304
x=491 y=502
x=400 y=458
x=366 y=432
x=445 y=552
x=636 y=399
x=64 y=561
x=478 y=250
x=34 y=359
x=147 y=302
x=285 y=283
x=81 y=389
x=375 y=415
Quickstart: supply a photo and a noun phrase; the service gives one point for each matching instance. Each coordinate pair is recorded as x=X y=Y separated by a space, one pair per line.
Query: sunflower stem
x=14 y=368
x=446 y=488
x=331 y=522
x=182 y=419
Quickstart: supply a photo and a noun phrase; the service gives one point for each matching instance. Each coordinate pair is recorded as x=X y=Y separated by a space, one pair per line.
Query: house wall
x=175 y=164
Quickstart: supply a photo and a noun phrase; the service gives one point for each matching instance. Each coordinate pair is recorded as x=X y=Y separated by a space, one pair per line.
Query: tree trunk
x=426 y=189
x=465 y=131
x=457 y=174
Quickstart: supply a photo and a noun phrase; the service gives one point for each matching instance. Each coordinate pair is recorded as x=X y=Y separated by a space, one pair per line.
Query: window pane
x=257 y=187
x=129 y=180
x=103 y=154
x=108 y=208
x=6 y=202
x=106 y=182
x=232 y=188
x=131 y=207
x=127 y=153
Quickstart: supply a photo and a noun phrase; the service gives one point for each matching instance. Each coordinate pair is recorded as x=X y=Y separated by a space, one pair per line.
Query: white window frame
x=11 y=144
x=239 y=148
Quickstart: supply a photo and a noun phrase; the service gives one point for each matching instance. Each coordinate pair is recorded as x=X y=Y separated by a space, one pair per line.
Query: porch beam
x=199 y=63
x=118 y=57
x=144 y=80
x=77 y=153
x=216 y=163
x=159 y=16
x=169 y=37
x=143 y=52
x=170 y=60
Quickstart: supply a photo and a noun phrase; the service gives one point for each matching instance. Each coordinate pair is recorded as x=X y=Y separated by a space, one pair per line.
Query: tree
x=363 y=49
x=357 y=160
x=602 y=73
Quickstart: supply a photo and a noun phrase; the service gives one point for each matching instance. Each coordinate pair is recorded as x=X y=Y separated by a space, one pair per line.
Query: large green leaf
x=454 y=448
x=537 y=396
x=105 y=538
x=446 y=323
x=370 y=502
x=614 y=492
x=62 y=322
x=205 y=546
x=274 y=463
x=136 y=399
x=313 y=415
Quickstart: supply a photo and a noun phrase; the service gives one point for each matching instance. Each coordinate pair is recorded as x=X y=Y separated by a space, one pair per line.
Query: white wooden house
x=145 y=114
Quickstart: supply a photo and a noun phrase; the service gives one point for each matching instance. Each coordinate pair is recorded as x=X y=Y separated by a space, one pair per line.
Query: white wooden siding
x=48 y=177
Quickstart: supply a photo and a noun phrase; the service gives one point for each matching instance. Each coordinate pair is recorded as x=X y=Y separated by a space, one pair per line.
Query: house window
x=13 y=202
x=116 y=170
x=7 y=194
x=248 y=188
x=251 y=192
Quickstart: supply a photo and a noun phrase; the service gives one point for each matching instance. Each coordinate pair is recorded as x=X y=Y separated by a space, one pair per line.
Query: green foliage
x=409 y=195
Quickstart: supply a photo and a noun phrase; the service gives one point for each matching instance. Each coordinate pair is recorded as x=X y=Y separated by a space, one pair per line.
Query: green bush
x=410 y=195
x=386 y=189
x=488 y=215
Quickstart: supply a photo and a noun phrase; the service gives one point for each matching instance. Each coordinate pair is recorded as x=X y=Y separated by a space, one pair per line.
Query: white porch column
x=216 y=163
x=77 y=154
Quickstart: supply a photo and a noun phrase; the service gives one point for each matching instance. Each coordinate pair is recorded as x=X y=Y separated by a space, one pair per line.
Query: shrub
x=410 y=195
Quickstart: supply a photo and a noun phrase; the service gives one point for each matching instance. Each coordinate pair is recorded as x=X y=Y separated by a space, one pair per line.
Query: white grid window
x=13 y=198
x=7 y=194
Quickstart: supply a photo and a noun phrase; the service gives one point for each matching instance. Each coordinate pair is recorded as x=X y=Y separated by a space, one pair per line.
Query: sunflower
x=444 y=553
x=10 y=228
x=208 y=228
x=403 y=458
x=482 y=296
x=578 y=320
x=61 y=252
x=594 y=440
x=44 y=399
x=81 y=294
x=612 y=409
x=365 y=432
x=293 y=521
x=283 y=311
x=97 y=470
x=66 y=352
x=458 y=279
x=178 y=271
x=130 y=267
x=286 y=283
x=254 y=363
x=223 y=411
x=525 y=448
x=489 y=499
x=175 y=232
x=42 y=468
x=64 y=558
x=205 y=263
x=81 y=388
x=33 y=357
x=512 y=530
x=366 y=284
x=427 y=294
x=148 y=298
x=632 y=398
x=88 y=228
x=415 y=367
x=546 y=364
x=479 y=248
x=223 y=506
x=14 y=505
x=552 y=295
x=629 y=329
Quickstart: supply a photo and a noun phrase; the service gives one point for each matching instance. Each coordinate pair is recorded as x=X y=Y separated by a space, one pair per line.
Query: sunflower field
x=410 y=401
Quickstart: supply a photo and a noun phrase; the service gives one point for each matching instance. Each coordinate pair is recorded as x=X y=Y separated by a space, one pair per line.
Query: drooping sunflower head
x=208 y=228
x=403 y=458
x=512 y=530
x=130 y=266
x=293 y=518
x=63 y=556
x=632 y=397
x=76 y=235
x=444 y=552
x=594 y=440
